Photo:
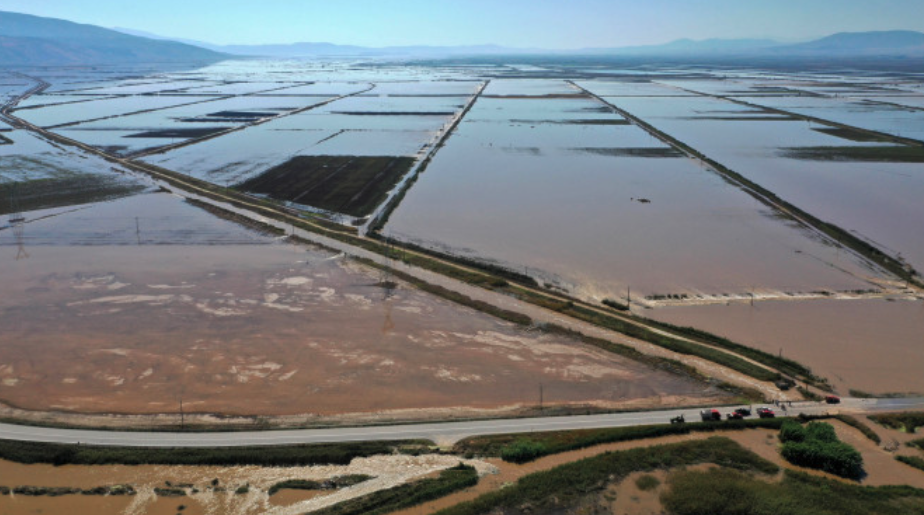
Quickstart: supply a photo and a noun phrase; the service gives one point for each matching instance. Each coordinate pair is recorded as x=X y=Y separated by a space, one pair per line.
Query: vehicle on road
x=833 y=399
x=734 y=415
x=765 y=412
x=709 y=415
x=678 y=420
x=744 y=412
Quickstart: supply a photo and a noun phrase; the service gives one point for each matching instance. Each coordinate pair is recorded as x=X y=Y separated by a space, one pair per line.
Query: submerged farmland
x=551 y=182
x=596 y=183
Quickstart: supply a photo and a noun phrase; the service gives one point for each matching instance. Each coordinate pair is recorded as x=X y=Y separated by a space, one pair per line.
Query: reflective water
x=530 y=195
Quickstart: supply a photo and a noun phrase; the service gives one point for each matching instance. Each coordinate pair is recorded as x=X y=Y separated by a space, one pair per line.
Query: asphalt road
x=442 y=433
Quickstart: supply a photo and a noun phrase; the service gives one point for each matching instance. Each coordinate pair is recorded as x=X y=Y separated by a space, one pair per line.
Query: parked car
x=765 y=412
x=744 y=412
x=734 y=415
x=709 y=415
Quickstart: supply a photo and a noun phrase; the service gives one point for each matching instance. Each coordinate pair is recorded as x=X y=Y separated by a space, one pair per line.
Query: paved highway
x=442 y=433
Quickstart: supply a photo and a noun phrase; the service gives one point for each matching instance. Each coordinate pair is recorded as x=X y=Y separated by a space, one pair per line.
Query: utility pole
x=138 y=230
x=541 y=393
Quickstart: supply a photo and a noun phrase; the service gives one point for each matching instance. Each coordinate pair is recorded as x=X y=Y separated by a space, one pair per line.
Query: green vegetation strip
x=729 y=492
x=908 y=421
x=816 y=446
x=566 y=484
x=405 y=496
x=851 y=134
x=522 y=449
x=863 y=428
x=916 y=443
x=913 y=461
x=784 y=365
x=872 y=154
x=673 y=344
x=56 y=491
x=281 y=456
x=330 y=484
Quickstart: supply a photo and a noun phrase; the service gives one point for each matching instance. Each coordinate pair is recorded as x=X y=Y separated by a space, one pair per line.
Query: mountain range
x=33 y=40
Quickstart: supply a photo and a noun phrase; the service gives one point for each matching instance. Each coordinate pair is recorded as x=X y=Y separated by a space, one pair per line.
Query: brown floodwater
x=273 y=329
x=210 y=490
x=873 y=345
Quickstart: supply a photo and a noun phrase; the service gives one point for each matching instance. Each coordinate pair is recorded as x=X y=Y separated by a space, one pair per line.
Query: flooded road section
x=257 y=327
x=561 y=188
x=871 y=345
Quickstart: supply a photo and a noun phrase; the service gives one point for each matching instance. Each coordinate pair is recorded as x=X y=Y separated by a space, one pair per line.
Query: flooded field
x=869 y=345
x=131 y=306
x=877 y=198
x=125 y=298
x=566 y=190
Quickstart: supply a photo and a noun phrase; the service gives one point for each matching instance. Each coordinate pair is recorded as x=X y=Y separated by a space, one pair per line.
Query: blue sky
x=519 y=23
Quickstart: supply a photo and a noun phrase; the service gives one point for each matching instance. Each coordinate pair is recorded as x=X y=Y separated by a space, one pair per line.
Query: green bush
x=647 y=482
x=522 y=451
x=818 y=447
x=837 y=458
x=821 y=432
x=792 y=431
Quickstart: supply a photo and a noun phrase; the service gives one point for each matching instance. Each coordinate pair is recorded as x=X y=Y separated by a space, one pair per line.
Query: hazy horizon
x=517 y=23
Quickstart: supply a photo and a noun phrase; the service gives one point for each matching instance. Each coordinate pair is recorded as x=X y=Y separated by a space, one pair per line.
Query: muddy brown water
x=274 y=330
x=871 y=345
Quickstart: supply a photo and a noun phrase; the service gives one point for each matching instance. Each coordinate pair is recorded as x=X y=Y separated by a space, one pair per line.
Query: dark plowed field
x=346 y=184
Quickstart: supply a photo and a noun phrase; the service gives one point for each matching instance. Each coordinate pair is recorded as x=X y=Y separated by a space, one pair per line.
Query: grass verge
x=537 y=445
